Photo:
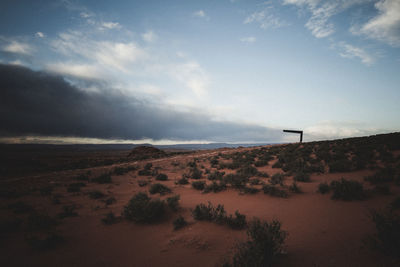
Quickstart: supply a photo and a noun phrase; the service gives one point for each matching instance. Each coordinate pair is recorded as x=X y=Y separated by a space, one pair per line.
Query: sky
x=167 y=72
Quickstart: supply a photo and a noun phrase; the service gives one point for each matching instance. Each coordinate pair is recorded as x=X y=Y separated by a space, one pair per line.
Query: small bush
x=82 y=177
x=215 y=187
x=109 y=218
x=123 y=170
x=75 y=187
x=195 y=173
x=10 y=225
x=347 y=190
x=395 y=204
x=277 y=178
x=216 y=175
x=46 y=190
x=261 y=163
x=342 y=165
x=387 y=237
x=295 y=188
x=250 y=190
x=162 y=177
x=237 y=222
x=148 y=166
x=237 y=181
x=382 y=189
x=277 y=165
x=103 y=179
x=323 y=188
x=40 y=222
x=381 y=176
x=110 y=200
x=159 y=188
x=142 y=183
x=96 y=194
x=144 y=172
x=44 y=241
x=198 y=185
x=142 y=209
x=183 y=181
x=20 y=207
x=302 y=177
x=255 y=181
x=265 y=243
x=179 y=223
x=209 y=213
x=173 y=202
x=68 y=211
x=274 y=191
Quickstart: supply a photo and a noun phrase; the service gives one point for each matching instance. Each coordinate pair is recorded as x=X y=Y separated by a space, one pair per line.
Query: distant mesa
x=144 y=152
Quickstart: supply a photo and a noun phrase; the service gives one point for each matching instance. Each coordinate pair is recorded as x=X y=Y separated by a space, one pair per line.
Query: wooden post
x=295 y=131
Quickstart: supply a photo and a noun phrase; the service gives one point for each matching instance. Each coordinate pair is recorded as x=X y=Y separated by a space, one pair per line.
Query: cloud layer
x=37 y=103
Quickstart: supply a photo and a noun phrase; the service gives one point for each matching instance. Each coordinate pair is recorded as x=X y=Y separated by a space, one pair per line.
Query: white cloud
x=250 y=39
x=85 y=15
x=18 y=48
x=332 y=130
x=110 y=25
x=349 y=51
x=321 y=12
x=200 y=14
x=266 y=18
x=192 y=76
x=385 y=26
x=85 y=71
x=40 y=34
x=149 y=36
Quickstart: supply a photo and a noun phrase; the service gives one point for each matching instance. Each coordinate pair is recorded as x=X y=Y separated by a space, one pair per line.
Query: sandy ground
x=322 y=231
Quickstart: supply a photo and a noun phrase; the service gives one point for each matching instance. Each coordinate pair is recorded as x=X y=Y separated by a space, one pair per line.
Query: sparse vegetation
x=95 y=194
x=274 y=191
x=277 y=178
x=75 y=187
x=159 y=188
x=173 y=202
x=179 y=223
x=68 y=211
x=143 y=209
x=109 y=218
x=104 y=178
x=265 y=242
x=323 y=188
x=20 y=207
x=347 y=190
x=294 y=188
x=183 y=180
x=142 y=183
x=215 y=187
x=302 y=177
x=161 y=177
x=198 y=185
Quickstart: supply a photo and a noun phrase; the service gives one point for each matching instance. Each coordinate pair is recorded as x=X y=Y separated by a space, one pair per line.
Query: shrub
x=44 y=241
x=162 y=177
x=159 y=188
x=382 y=189
x=144 y=172
x=347 y=190
x=148 y=166
x=302 y=177
x=261 y=163
x=179 y=223
x=274 y=191
x=387 y=237
x=198 y=185
x=195 y=173
x=237 y=181
x=265 y=243
x=75 y=187
x=381 y=176
x=209 y=213
x=109 y=218
x=341 y=165
x=142 y=183
x=40 y=222
x=395 y=204
x=46 y=190
x=20 y=207
x=277 y=178
x=96 y=194
x=263 y=174
x=249 y=190
x=216 y=175
x=295 y=188
x=237 y=222
x=68 y=211
x=255 y=181
x=123 y=170
x=10 y=225
x=142 y=209
x=173 y=202
x=277 y=165
x=183 y=180
x=247 y=171
x=110 y=200
x=103 y=179
x=215 y=187
x=323 y=188
x=82 y=177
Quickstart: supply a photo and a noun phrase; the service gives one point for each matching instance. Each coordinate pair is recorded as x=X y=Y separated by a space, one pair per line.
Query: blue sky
x=330 y=68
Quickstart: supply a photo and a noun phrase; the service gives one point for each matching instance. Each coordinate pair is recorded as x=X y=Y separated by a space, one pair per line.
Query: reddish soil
x=322 y=231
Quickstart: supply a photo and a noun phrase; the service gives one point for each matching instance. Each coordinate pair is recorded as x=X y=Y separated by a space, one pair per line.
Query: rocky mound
x=145 y=152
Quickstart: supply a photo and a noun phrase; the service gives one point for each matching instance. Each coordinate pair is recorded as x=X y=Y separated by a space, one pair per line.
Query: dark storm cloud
x=38 y=103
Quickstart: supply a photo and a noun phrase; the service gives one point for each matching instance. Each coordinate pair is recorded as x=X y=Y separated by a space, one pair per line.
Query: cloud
x=149 y=36
x=349 y=51
x=385 y=26
x=40 y=34
x=17 y=47
x=250 y=39
x=39 y=104
x=200 y=14
x=84 y=71
x=110 y=25
x=266 y=18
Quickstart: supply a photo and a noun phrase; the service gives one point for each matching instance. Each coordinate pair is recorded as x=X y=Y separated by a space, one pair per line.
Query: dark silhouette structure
x=295 y=131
